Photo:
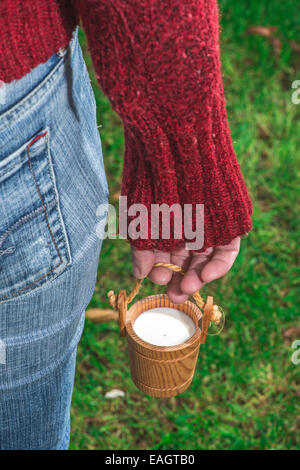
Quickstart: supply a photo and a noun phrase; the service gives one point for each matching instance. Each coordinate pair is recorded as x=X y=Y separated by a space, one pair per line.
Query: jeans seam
x=60 y=216
x=12 y=167
x=40 y=194
x=23 y=220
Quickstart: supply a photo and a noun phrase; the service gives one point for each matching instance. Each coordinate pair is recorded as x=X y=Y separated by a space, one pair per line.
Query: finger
x=143 y=261
x=179 y=257
x=161 y=276
x=192 y=281
x=221 y=261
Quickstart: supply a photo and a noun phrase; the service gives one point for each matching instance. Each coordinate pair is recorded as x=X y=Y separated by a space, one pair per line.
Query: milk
x=164 y=326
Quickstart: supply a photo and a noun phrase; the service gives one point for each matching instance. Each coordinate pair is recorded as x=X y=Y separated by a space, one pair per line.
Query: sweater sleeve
x=159 y=65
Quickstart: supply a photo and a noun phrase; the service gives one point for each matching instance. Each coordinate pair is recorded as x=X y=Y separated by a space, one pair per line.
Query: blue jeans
x=52 y=180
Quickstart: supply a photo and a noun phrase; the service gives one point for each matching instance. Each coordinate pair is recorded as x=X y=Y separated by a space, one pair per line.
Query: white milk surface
x=163 y=326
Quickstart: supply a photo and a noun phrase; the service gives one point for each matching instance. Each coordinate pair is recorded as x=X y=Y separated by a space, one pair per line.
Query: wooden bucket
x=162 y=371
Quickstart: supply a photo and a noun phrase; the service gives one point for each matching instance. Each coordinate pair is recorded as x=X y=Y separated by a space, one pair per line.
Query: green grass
x=245 y=393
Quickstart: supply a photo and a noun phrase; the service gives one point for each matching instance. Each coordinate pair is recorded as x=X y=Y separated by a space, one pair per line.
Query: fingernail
x=137 y=273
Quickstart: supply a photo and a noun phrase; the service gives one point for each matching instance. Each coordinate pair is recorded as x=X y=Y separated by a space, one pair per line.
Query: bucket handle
x=211 y=312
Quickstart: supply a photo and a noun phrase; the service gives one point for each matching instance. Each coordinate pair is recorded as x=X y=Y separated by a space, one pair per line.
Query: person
x=159 y=65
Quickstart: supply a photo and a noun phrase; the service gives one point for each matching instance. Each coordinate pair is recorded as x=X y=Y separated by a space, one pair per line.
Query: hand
x=200 y=268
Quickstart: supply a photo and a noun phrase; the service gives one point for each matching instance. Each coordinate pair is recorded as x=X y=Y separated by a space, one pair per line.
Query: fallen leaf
x=115 y=393
x=291 y=332
x=277 y=45
x=295 y=46
x=266 y=31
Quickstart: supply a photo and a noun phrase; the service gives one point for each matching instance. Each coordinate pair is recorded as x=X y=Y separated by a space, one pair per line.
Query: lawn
x=246 y=389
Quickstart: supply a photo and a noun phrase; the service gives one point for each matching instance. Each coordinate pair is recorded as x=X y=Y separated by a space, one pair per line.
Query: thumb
x=143 y=261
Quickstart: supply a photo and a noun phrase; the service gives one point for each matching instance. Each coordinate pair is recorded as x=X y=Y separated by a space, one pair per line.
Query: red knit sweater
x=158 y=62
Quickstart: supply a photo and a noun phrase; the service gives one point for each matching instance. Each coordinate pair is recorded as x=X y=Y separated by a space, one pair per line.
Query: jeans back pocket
x=34 y=246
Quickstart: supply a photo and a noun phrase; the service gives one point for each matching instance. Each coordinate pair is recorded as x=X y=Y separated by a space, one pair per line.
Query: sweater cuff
x=195 y=169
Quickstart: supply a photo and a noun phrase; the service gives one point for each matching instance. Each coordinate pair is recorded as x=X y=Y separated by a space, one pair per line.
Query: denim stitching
x=23 y=220
x=43 y=209
x=12 y=167
x=60 y=217
x=31 y=284
x=40 y=194
x=7 y=251
x=35 y=96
